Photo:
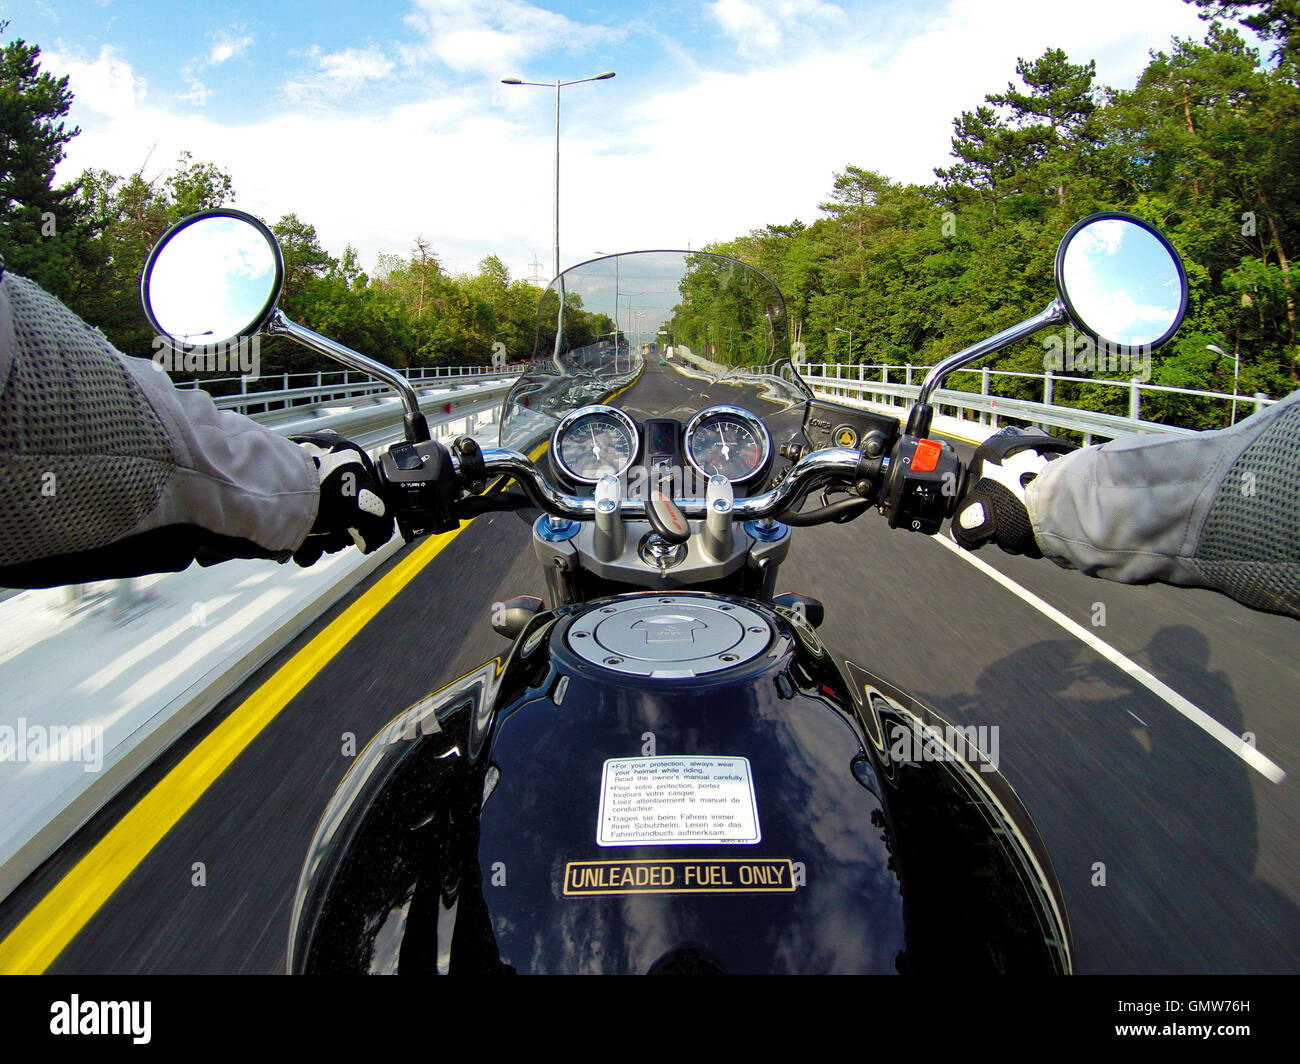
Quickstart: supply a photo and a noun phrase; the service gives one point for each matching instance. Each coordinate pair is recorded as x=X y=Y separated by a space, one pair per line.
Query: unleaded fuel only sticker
x=721 y=875
x=674 y=800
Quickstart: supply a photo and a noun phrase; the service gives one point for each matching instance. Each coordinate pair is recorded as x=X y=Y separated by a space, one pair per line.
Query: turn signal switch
x=921 y=484
x=419 y=484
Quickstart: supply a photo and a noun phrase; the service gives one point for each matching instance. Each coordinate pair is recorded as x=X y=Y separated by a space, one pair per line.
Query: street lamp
x=631 y=314
x=850 y=332
x=1236 y=373
x=616 y=257
x=558 y=86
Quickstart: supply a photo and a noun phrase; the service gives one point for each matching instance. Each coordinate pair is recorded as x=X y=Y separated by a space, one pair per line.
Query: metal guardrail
x=835 y=382
x=387 y=411
x=330 y=385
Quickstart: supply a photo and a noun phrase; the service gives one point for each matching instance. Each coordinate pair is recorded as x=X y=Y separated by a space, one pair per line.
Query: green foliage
x=1206 y=146
x=42 y=234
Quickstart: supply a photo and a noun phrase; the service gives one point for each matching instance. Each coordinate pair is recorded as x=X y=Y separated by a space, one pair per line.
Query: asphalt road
x=1200 y=854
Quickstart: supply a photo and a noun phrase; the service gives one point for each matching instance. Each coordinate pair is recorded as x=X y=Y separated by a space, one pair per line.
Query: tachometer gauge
x=729 y=441
x=593 y=441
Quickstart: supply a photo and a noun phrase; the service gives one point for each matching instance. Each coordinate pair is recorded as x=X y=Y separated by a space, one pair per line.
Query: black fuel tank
x=658 y=806
x=674 y=782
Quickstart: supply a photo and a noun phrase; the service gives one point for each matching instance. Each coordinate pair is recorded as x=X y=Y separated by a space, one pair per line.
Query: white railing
x=879 y=383
x=319 y=386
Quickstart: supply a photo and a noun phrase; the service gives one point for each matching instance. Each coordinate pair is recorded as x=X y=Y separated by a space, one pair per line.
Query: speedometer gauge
x=593 y=441
x=728 y=441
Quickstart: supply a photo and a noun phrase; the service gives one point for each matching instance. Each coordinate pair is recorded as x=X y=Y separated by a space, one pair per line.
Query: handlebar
x=812 y=471
x=916 y=486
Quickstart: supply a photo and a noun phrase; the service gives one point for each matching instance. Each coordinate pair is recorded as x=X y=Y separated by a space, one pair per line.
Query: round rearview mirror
x=213 y=277
x=1121 y=281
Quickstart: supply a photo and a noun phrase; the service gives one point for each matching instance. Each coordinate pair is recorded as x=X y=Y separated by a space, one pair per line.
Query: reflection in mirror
x=1122 y=283
x=212 y=281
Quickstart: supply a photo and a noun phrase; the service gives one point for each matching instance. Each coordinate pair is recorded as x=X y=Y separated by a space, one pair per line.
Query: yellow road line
x=953 y=435
x=45 y=932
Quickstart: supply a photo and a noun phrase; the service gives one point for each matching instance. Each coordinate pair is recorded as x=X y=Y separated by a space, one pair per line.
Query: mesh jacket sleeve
x=1219 y=510
x=107 y=470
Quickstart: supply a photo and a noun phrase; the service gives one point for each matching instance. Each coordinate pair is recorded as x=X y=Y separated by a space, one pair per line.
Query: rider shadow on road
x=1150 y=822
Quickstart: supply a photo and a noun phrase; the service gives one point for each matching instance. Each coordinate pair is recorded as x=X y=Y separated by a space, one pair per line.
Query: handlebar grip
x=1008 y=441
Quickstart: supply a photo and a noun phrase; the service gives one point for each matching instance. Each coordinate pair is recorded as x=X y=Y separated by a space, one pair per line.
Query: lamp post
x=558 y=86
x=1236 y=373
x=631 y=314
x=607 y=254
x=850 y=332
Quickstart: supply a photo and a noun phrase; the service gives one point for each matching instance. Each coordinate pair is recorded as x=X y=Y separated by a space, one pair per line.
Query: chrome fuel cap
x=669 y=635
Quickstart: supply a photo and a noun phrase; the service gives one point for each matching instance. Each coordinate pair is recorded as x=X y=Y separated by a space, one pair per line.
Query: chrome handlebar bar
x=812 y=471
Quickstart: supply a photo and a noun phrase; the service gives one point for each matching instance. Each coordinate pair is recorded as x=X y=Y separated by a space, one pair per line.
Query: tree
x=1054 y=127
x=1212 y=143
x=981 y=142
x=304 y=258
x=41 y=233
x=1273 y=20
x=1030 y=142
x=122 y=219
x=853 y=195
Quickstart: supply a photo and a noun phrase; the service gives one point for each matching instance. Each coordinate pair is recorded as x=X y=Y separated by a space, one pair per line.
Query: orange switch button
x=926 y=456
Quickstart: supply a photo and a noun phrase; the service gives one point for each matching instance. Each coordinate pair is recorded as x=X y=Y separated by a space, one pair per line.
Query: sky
x=382 y=121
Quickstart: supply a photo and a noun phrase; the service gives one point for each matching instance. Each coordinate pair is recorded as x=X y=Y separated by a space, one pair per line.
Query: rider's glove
x=993 y=508
x=351 y=511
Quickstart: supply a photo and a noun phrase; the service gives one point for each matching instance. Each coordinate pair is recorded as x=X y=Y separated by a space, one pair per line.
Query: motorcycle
x=668 y=771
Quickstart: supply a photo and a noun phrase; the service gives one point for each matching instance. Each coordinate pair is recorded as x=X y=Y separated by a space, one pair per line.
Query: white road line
x=1196 y=715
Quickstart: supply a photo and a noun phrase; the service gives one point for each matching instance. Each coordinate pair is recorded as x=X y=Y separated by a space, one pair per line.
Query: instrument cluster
x=597 y=440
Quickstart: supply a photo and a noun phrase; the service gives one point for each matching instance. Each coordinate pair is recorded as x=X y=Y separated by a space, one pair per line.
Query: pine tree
x=41 y=232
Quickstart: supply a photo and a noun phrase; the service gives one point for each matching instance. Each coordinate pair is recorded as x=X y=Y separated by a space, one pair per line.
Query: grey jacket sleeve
x=1219 y=510
x=108 y=470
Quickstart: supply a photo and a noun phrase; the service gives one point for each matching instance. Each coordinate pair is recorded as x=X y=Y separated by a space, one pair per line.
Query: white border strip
x=1196 y=715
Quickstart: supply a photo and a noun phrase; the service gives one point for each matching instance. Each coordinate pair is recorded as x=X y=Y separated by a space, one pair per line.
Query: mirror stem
x=417 y=428
x=918 y=422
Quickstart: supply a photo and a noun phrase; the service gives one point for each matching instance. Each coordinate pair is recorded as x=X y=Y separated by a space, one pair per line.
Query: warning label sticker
x=674 y=800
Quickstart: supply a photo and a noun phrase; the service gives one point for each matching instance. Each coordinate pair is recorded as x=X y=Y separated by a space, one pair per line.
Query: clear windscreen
x=657 y=334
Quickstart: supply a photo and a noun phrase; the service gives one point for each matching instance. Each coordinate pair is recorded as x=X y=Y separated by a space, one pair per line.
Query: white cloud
x=765 y=25
x=493 y=36
x=337 y=75
x=707 y=157
x=106 y=85
x=197 y=94
x=228 y=46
